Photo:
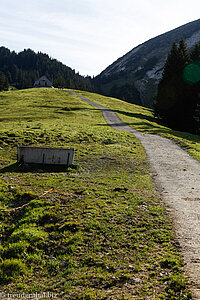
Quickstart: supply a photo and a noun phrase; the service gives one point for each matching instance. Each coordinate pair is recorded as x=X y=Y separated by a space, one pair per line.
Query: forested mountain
x=24 y=68
x=135 y=76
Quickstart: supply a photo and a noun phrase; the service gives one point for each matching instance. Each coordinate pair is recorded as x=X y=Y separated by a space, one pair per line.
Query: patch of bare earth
x=177 y=178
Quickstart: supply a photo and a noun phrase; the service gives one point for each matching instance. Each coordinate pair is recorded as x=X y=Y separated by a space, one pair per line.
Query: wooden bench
x=45 y=155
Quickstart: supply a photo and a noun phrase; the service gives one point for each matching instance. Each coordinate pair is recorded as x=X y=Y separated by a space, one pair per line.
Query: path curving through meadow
x=177 y=178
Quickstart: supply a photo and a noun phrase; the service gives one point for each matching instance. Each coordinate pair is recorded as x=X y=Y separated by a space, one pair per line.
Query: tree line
x=22 y=69
x=178 y=95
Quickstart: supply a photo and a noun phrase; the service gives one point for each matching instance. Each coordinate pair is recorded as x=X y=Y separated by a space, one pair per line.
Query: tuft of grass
x=15 y=250
x=29 y=234
x=10 y=269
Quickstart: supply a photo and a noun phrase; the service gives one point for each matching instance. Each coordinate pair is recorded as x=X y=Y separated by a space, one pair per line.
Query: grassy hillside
x=141 y=119
x=92 y=231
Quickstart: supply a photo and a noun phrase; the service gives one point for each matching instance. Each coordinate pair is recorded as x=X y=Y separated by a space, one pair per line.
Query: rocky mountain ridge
x=134 y=77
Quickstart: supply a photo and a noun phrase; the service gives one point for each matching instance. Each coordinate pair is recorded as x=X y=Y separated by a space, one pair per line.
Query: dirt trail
x=177 y=178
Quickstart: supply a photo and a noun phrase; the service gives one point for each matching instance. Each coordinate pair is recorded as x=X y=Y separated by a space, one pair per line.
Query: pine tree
x=3 y=82
x=195 y=57
x=195 y=53
x=183 y=54
x=171 y=64
x=174 y=100
x=196 y=117
x=166 y=93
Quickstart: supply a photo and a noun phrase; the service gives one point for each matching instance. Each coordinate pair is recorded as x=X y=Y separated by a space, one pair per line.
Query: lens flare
x=191 y=73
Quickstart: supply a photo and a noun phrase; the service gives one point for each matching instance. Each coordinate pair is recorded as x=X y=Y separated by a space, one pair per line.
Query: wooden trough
x=45 y=155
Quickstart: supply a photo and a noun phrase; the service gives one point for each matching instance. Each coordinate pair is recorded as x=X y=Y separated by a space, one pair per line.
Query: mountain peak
x=134 y=76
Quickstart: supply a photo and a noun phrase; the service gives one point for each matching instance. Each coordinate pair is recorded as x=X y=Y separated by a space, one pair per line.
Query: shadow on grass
x=37 y=168
x=77 y=108
x=138 y=116
x=65 y=110
x=155 y=129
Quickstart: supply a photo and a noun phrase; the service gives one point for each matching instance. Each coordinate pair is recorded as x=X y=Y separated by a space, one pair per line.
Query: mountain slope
x=134 y=77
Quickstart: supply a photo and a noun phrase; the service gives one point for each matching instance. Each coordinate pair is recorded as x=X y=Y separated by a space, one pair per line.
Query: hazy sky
x=88 y=35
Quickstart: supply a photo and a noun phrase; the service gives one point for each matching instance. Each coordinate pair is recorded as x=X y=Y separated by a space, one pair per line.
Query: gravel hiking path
x=177 y=178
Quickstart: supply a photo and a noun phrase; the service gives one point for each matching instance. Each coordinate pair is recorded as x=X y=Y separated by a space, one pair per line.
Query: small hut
x=43 y=82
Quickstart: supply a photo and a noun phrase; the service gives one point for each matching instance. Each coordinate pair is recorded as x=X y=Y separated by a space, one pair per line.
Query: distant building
x=43 y=82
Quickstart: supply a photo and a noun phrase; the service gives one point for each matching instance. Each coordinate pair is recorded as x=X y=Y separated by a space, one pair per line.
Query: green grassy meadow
x=96 y=230
x=142 y=119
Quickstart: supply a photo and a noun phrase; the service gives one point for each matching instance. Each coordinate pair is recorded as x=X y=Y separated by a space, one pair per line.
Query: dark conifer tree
x=195 y=53
x=170 y=67
x=3 y=82
x=196 y=116
x=175 y=100
x=166 y=93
